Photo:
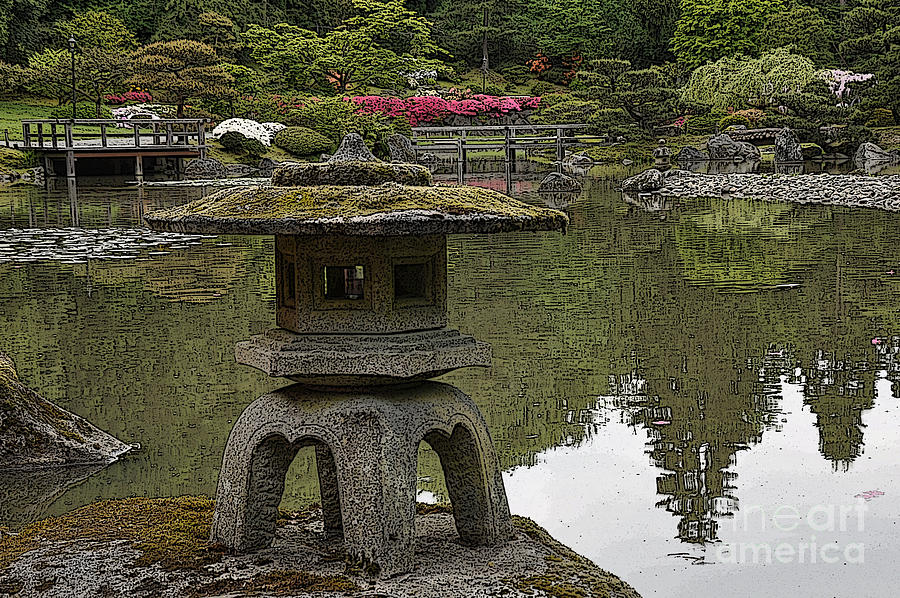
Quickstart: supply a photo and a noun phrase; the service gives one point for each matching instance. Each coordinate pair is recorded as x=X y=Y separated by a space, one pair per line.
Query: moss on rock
x=383 y=210
x=176 y=558
x=171 y=532
x=568 y=575
x=351 y=173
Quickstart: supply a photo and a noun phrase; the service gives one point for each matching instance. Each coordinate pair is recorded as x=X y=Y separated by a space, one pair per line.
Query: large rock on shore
x=353 y=149
x=649 y=180
x=691 y=154
x=869 y=152
x=205 y=168
x=723 y=147
x=143 y=547
x=35 y=433
x=787 y=147
x=401 y=148
x=559 y=182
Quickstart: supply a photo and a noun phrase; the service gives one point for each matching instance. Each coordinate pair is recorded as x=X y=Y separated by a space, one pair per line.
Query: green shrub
x=334 y=118
x=705 y=124
x=234 y=142
x=517 y=74
x=494 y=89
x=82 y=110
x=608 y=121
x=301 y=141
x=542 y=88
x=880 y=117
x=567 y=111
x=10 y=158
x=734 y=120
x=255 y=148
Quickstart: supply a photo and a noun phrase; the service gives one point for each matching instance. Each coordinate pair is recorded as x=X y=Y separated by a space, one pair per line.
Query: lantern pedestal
x=366 y=450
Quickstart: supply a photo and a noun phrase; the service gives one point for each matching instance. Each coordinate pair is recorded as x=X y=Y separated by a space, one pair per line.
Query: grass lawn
x=12 y=112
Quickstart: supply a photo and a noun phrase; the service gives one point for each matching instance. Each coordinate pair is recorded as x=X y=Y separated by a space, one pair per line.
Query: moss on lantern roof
x=350 y=173
x=388 y=209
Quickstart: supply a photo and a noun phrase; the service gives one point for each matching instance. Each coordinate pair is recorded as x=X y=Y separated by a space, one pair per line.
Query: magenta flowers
x=428 y=109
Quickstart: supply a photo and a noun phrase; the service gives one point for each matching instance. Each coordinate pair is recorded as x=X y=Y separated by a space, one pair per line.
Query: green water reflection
x=680 y=323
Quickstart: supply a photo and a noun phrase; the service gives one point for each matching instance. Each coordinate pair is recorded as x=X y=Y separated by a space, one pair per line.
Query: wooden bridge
x=72 y=140
x=508 y=139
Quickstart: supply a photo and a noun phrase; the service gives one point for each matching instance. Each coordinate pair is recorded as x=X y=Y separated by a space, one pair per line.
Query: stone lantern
x=361 y=294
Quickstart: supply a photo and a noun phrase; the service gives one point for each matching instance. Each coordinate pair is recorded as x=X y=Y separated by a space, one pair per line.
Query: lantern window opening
x=344 y=283
x=413 y=281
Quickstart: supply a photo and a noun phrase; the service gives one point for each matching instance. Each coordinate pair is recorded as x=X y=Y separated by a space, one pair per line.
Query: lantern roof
x=381 y=210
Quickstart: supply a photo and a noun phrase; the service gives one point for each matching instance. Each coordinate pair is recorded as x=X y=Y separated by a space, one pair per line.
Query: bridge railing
x=98 y=134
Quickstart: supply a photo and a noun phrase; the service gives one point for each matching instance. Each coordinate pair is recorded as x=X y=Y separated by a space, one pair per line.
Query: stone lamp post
x=361 y=277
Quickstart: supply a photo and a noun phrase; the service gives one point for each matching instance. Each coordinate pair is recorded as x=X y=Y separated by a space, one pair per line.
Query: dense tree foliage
x=641 y=63
x=183 y=68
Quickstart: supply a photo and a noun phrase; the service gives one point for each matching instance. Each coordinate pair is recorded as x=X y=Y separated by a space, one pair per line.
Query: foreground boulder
x=869 y=152
x=353 y=149
x=35 y=433
x=787 y=147
x=649 y=180
x=723 y=147
x=160 y=547
x=559 y=182
x=205 y=168
x=401 y=148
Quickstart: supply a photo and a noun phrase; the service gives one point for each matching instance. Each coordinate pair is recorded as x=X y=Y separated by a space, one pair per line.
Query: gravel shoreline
x=878 y=192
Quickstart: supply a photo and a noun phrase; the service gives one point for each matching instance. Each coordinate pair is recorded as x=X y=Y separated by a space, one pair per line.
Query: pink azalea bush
x=428 y=109
x=142 y=97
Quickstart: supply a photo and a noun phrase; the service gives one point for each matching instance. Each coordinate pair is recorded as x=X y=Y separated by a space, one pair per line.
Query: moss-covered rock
x=158 y=547
x=388 y=209
x=36 y=433
x=350 y=173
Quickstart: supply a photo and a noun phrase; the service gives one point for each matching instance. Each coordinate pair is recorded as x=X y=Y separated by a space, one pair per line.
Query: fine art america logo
x=800 y=528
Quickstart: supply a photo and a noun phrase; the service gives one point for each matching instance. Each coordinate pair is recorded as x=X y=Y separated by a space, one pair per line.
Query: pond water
x=679 y=388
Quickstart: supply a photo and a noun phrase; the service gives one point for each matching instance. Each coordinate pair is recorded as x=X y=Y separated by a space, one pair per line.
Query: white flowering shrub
x=140 y=112
x=262 y=132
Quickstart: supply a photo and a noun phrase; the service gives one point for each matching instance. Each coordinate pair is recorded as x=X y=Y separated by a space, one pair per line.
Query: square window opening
x=411 y=281
x=344 y=282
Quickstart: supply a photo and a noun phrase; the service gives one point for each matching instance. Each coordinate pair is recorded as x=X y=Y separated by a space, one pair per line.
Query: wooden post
x=48 y=167
x=460 y=163
x=41 y=135
x=70 y=164
x=511 y=141
x=139 y=168
x=70 y=136
x=26 y=134
x=137 y=134
x=465 y=152
x=6 y=136
x=169 y=134
x=53 y=140
x=201 y=138
x=103 y=140
x=560 y=150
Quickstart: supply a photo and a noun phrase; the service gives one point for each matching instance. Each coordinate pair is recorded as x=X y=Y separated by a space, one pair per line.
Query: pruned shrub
x=301 y=141
x=234 y=142
x=734 y=120
x=880 y=117
x=702 y=124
